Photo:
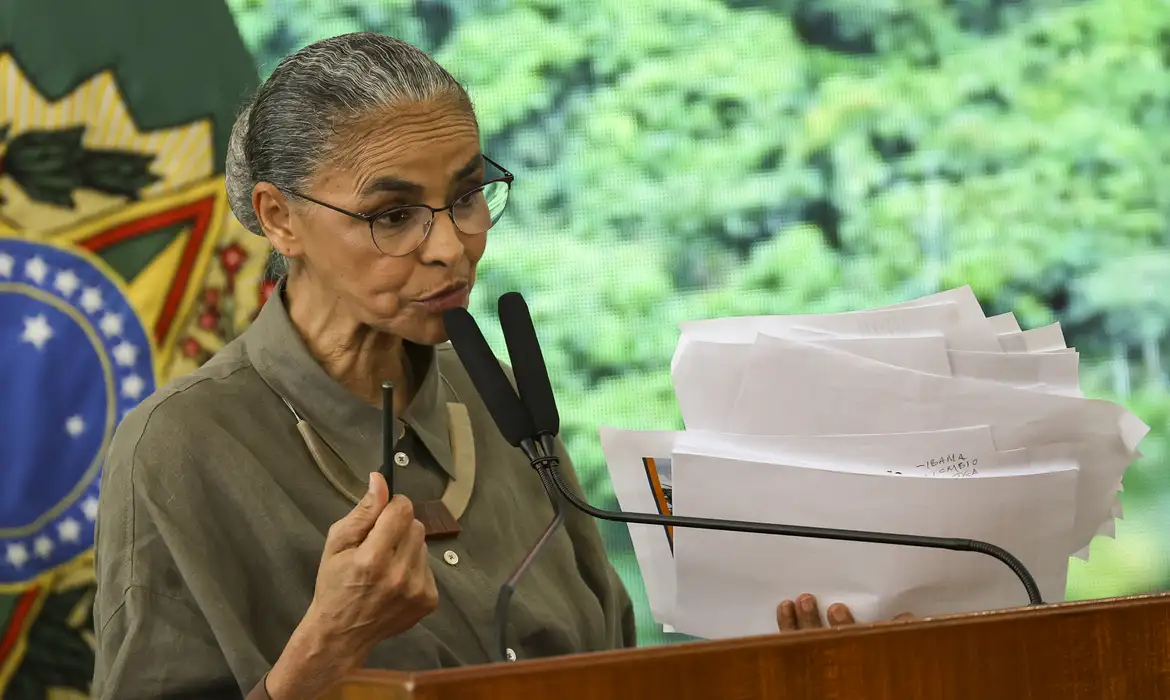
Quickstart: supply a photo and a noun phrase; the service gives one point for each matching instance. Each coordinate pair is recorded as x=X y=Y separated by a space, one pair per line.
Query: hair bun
x=238 y=175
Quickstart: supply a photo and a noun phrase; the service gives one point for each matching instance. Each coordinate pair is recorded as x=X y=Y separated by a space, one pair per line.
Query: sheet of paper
x=903 y=320
x=926 y=353
x=972 y=337
x=708 y=375
x=843 y=393
x=1004 y=323
x=709 y=359
x=639 y=464
x=1099 y=464
x=1054 y=373
x=923 y=319
x=959 y=452
x=854 y=397
x=728 y=584
x=1071 y=420
x=962 y=297
x=706 y=382
x=1042 y=339
x=1108 y=528
x=1039 y=371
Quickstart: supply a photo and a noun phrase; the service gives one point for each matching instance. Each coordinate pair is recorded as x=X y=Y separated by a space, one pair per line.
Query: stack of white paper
x=924 y=418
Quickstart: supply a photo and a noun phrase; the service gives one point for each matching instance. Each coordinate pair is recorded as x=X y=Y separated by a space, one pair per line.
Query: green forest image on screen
x=688 y=159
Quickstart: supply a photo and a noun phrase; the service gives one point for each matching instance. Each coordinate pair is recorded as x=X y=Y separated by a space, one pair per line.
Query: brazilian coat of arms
x=121 y=267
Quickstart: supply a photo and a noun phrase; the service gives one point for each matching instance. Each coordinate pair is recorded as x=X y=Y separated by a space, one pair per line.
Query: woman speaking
x=247 y=543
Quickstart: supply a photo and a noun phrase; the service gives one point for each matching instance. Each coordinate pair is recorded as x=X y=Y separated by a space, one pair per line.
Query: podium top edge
x=415 y=680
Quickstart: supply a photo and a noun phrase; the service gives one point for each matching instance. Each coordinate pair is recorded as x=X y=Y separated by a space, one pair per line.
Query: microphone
x=510 y=416
x=532 y=378
x=515 y=424
x=531 y=363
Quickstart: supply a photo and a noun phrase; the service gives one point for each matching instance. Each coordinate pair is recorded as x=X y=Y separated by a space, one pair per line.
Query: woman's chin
x=427 y=332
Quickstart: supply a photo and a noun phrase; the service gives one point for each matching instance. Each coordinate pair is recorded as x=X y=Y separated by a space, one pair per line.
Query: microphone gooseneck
x=550 y=465
x=504 y=598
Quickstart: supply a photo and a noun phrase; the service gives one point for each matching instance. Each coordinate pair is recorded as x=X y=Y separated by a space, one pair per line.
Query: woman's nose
x=443 y=245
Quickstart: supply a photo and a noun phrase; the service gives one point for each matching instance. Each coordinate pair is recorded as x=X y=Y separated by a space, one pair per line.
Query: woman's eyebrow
x=468 y=170
x=381 y=185
x=460 y=177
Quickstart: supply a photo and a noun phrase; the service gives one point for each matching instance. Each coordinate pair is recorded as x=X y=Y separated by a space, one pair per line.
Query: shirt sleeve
x=154 y=646
x=162 y=614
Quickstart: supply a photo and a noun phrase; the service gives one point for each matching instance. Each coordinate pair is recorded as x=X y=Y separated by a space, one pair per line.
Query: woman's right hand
x=375 y=579
x=374 y=582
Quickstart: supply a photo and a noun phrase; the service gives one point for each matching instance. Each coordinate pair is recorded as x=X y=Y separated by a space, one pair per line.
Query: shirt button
x=401 y=459
x=509 y=655
x=451 y=557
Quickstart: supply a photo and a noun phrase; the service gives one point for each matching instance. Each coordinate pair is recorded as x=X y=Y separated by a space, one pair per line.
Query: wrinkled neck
x=356 y=355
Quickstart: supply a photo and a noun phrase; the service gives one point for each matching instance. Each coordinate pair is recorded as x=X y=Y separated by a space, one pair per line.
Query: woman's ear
x=275 y=213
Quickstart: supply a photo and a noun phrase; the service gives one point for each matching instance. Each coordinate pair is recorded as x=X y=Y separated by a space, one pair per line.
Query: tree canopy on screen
x=692 y=158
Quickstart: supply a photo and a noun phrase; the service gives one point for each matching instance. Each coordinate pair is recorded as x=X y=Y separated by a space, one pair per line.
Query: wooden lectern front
x=1101 y=650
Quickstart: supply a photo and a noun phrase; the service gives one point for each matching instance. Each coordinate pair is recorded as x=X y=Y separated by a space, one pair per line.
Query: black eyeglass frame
x=507 y=177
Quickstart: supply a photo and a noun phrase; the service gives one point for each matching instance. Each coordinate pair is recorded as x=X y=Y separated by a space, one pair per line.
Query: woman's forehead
x=428 y=144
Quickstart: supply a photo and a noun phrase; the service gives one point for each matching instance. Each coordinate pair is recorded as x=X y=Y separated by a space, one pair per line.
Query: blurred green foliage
x=693 y=158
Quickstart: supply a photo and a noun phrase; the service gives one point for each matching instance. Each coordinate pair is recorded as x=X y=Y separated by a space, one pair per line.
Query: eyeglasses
x=400 y=230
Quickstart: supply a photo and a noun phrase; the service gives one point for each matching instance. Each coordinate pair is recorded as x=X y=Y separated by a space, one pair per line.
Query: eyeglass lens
x=401 y=230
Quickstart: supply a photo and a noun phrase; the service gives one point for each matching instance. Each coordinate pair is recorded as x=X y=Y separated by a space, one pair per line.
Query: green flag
x=121 y=267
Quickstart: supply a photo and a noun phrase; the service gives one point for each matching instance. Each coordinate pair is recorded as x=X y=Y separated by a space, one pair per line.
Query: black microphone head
x=528 y=363
x=485 y=371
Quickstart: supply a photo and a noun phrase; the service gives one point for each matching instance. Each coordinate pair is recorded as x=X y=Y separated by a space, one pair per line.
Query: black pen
x=388 y=435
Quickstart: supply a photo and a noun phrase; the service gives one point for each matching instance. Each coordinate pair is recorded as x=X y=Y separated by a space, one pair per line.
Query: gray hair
x=284 y=133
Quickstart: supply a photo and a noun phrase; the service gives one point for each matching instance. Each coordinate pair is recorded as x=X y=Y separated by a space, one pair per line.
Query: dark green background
x=176 y=61
x=683 y=159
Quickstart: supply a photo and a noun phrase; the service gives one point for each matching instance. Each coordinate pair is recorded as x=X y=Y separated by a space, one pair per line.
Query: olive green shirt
x=213 y=517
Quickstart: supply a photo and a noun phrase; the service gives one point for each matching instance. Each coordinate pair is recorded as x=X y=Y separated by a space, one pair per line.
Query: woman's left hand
x=804 y=614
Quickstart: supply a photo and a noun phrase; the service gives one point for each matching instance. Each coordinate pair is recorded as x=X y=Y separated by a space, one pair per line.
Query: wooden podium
x=1101 y=650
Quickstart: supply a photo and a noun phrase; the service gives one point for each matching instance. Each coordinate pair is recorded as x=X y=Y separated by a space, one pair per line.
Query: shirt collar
x=350 y=426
